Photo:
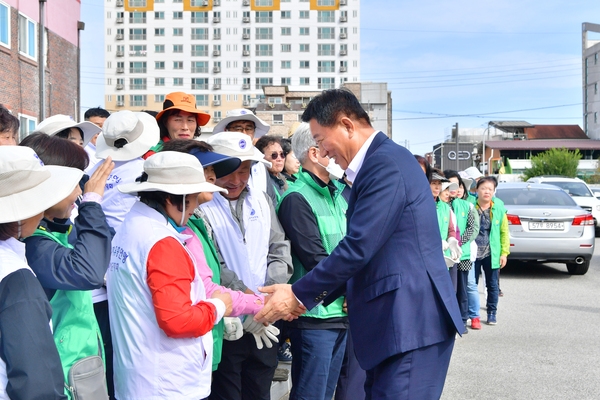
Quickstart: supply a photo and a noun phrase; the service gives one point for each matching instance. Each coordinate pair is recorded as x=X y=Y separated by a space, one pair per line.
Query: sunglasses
x=274 y=155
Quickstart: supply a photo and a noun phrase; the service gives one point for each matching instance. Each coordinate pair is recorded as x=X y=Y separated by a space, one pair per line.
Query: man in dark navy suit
x=401 y=305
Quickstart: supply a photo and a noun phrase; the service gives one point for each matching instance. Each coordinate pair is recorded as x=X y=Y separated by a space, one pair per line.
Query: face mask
x=335 y=171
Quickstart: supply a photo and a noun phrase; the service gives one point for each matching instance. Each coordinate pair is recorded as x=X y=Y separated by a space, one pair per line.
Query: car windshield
x=535 y=197
x=578 y=189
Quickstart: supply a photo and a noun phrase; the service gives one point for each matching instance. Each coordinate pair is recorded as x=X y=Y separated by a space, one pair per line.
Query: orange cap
x=184 y=102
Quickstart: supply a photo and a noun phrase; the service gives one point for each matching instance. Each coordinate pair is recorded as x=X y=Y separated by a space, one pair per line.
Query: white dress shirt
x=358 y=159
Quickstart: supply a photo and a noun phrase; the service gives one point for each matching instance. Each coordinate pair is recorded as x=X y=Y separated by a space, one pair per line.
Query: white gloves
x=267 y=334
x=233 y=328
x=455 y=250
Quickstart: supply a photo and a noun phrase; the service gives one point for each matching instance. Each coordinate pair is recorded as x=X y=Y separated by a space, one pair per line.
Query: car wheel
x=578 y=269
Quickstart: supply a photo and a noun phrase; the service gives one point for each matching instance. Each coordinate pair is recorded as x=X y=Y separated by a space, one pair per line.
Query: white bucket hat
x=172 y=172
x=238 y=145
x=242 y=114
x=449 y=185
x=127 y=135
x=467 y=181
x=473 y=173
x=28 y=187
x=59 y=122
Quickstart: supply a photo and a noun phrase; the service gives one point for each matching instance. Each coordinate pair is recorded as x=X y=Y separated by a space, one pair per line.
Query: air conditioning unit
x=119 y=86
x=216 y=20
x=216 y=69
x=216 y=3
x=216 y=119
x=119 y=3
x=343 y=2
x=245 y=53
x=343 y=35
x=217 y=53
x=246 y=19
x=343 y=18
x=217 y=103
x=204 y=3
x=246 y=36
x=245 y=103
x=217 y=87
x=119 y=36
x=343 y=52
x=246 y=2
x=246 y=69
x=120 y=103
x=277 y=122
x=119 y=20
x=120 y=54
x=120 y=70
x=343 y=69
x=246 y=86
x=217 y=37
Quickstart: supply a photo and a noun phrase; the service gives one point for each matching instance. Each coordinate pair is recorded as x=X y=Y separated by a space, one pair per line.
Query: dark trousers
x=462 y=295
x=317 y=356
x=417 y=374
x=491 y=282
x=245 y=372
x=351 y=384
x=453 y=276
x=101 y=311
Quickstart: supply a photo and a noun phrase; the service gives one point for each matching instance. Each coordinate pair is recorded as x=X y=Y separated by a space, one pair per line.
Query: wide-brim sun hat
x=172 y=172
x=473 y=173
x=222 y=164
x=242 y=114
x=468 y=182
x=184 y=102
x=59 y=122
x=449 y=185
x=127 y=135
x=437 y=177
x=28 y=187
x=238 y=145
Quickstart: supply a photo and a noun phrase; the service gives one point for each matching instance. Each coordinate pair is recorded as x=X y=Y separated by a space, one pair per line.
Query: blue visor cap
x=223 y=165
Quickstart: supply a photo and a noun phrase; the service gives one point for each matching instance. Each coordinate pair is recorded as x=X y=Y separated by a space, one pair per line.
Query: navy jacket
x=390 y=264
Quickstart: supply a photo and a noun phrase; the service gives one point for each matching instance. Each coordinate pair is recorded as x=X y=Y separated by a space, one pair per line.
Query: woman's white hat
x=238 y=145
x=28 y=187
x=59 y=122
x=242 y=114
x=127 y=135
x=172 y=172
x=473 y=173
x=449 y=185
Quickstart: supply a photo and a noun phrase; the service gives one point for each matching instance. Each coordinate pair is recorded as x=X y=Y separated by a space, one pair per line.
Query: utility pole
x=455 y=129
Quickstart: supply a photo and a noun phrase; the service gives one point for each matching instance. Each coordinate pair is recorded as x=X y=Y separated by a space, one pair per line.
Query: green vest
x=443 y=216
x=497 y=214
x=471 y=198
x=330 y=214
x=75 y=328
x=461 y=209
x=212 y=259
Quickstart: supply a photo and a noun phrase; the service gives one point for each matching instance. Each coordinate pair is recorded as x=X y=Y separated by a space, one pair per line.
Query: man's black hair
x=96 y=112
x=327 y=107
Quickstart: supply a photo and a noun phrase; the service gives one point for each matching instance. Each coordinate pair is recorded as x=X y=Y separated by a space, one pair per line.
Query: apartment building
x=591 y=80
x=20 y=88
x=225 y=51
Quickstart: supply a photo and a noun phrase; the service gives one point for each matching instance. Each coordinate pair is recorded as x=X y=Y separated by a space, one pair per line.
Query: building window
x=304 y=64
x=137 y=17
x=177 y=64
x=260 y=82
x=326 y=83
x=159 y=81
x=159 y=98
x=278 y=118
x=595 y=88
x=326 y=33
x=159 y=48
x=177 y=81
x=177 y=14
x=177 y=31
x=263 y=16
x=177 y=48
x=325 y=3
x=158 y=15
x=326 y=66
x=264 y=50
x=199 y=50
x=199 y=33
x=137 y=34
x=325 y=16
x=4 y=25
x=304 y=31
x=137 y=3
x=199 y=17
x=137 y=50
x=286 y=64
x=159 y=31
x=326 y=50
x=159 y=65
x=201 y=99
x=200 y=67
x=28 y=125
x=286 y=48
x=264 y=66
x=27 y=36
x=304 y=14
x=137 y=83
x=286 y=31
x=137 y=100
x=286 y=81
x=200 y=84
x=304 y=48
x=304 y=81
x=263 y=3
x=137 y=67
x=264 y=33
x=286 y=15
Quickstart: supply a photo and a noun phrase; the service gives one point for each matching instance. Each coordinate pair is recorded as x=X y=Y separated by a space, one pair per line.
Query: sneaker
x=281 y=375
x=500 y=293
x=466 y=330
x=475 y=323
x=491 y=319
x=283 y=353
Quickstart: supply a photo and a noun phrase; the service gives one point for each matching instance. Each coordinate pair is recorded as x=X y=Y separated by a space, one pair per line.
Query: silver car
x=545 y=224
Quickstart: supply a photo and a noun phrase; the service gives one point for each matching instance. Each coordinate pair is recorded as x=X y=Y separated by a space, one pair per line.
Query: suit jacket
x=390 y=264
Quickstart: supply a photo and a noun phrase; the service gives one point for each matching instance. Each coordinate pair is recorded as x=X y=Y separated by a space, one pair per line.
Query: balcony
x=199 y=53
x=141 y=86
x=343 y=35
x=141 y=70
x=119 y=36
x=216 y=70
x=199 y=70
x=246 y=20
x=246 y=69
x=216 y=103
x=216 y=119
x=199 y=86
x=120 y=53
x=217 y=53
x=246 y=2
x=139 y=53
x=245 y=53
x=216 y=3
x=246 y=86
x=137 y=37
x=120 y=86
x=119 y=3
x=217 y=86
x=120 y=70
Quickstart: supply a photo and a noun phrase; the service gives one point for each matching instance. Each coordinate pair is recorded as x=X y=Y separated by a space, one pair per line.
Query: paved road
x=546 y=344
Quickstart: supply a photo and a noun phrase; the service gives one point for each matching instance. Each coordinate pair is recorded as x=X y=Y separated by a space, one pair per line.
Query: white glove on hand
x=455 y=250
x=267 y=334
x=233 y=328
x=444 y=245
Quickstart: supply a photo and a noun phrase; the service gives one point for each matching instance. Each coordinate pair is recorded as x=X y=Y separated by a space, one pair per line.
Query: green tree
x=554 y=162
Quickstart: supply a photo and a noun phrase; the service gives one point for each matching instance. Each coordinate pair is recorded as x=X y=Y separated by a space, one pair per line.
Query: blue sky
x=446 y=62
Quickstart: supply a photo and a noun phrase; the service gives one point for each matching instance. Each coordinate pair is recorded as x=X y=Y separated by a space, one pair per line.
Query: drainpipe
x=41 y=66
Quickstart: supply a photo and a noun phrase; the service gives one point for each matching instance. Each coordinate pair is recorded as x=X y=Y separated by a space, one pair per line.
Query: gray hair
x=302 y=141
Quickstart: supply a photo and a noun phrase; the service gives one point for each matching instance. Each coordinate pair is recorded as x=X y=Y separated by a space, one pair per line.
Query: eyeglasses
x=274 y=155
x=242 y=129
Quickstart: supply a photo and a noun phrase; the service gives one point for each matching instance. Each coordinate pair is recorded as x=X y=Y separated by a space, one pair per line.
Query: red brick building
x=19 y=59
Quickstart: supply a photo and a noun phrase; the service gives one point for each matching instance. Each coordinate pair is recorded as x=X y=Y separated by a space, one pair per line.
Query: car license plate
x=547 y=226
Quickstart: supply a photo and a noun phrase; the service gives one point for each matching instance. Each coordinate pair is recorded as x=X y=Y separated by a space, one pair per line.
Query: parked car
x=545 y=224
x=578 y=190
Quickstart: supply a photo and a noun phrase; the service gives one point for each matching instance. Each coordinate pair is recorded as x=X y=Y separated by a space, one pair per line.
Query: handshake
x=234 y=329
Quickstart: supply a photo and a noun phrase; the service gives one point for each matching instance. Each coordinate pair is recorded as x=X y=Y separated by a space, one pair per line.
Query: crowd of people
x=133 y=256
